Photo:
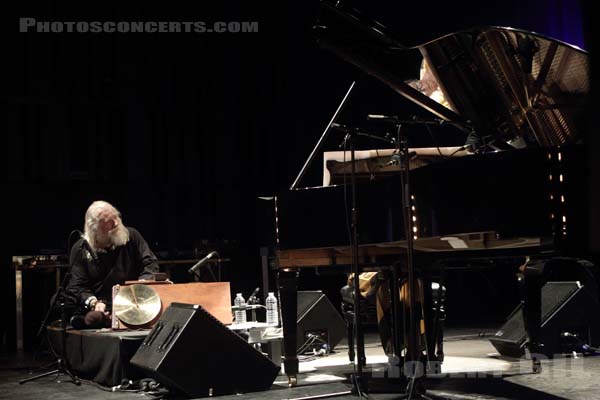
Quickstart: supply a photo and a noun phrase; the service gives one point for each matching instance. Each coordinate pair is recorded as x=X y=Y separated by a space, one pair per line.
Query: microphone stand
x=252 y=300
x=62 y=362
x=417 y=369
x=412 y=351
x=210 y=271
x=359 y=382
x=195 y=267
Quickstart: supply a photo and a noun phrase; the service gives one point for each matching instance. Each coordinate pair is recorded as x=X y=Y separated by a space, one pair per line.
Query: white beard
x=119 y=237
x=115 y=238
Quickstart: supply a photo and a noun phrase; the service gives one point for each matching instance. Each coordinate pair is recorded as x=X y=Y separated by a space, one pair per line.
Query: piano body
x=515 y=187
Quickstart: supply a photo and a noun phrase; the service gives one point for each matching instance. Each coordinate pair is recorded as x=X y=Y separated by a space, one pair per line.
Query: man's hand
x=100 y=306
x=524 y=266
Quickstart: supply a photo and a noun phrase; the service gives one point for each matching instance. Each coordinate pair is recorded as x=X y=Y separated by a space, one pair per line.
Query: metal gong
x=136 y=304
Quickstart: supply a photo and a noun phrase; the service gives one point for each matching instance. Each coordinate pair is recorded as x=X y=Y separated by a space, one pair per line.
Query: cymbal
x=136 y=304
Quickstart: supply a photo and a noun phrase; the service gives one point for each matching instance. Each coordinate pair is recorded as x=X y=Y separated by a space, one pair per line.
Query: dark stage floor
x=471 y=370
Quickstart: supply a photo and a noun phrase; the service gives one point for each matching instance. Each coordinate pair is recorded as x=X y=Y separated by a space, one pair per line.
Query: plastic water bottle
x=240 y=313
x=272 y=310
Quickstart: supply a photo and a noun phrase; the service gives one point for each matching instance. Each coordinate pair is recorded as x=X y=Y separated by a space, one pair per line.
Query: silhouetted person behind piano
x=375 y=288
x=112 y=255
x=371 y=289
x=429 y=85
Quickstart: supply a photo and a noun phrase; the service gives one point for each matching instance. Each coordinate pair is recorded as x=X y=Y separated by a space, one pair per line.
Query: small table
x=261 y=332
x=100 y=355
x=33 y=263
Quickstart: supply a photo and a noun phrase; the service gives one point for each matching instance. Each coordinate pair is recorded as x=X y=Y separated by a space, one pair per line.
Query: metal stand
x=61 y=363
x=360 y=384
x=412 y=351
x=415 y=383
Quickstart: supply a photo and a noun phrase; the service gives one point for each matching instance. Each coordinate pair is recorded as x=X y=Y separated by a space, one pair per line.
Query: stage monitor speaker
x=566 y=307
x=317 y=316
x=191 y=351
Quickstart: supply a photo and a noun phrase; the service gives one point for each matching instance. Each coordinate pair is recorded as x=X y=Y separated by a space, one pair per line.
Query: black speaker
x=191 y=351
x=317 y=316
x=566 y=307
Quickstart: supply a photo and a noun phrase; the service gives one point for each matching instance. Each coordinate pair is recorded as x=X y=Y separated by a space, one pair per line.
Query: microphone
x=465 y=127
x=423 y=121
x=210 y=255
x=344 y=128
x=568 y=334
x=397 y=158
x=86 y=245
x=382 y=117
x=252 y=299
x=414 y=120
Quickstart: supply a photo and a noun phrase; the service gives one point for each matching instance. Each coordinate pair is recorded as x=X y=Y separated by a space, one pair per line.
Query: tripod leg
x=54 y=371
x=359 y=386
x=74 y=378
x=410 y=388
x=59 y=370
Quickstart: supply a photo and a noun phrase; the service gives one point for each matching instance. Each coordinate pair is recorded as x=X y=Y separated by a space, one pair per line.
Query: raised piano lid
x=515 y=88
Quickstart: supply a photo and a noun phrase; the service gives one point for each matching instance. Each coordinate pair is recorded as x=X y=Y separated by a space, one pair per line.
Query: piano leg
x=438 y=321
x=433 y=309
x=288 y=293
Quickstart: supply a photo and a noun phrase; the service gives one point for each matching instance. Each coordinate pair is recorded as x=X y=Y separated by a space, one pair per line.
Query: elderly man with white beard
x=115 y=254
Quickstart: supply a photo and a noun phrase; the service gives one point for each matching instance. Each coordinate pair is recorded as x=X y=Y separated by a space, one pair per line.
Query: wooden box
x=214 y=297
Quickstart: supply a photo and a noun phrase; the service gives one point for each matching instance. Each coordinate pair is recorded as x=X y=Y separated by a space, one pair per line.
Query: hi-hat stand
x=61 y=363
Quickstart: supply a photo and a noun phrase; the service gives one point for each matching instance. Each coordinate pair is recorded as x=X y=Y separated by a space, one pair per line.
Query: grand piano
x=513 y=187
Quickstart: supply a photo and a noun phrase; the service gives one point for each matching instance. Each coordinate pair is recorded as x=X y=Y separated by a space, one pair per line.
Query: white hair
x=96 y=212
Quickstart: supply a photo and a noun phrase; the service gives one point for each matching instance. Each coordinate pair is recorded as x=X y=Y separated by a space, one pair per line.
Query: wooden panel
x=214 y=297
x=369 y=253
